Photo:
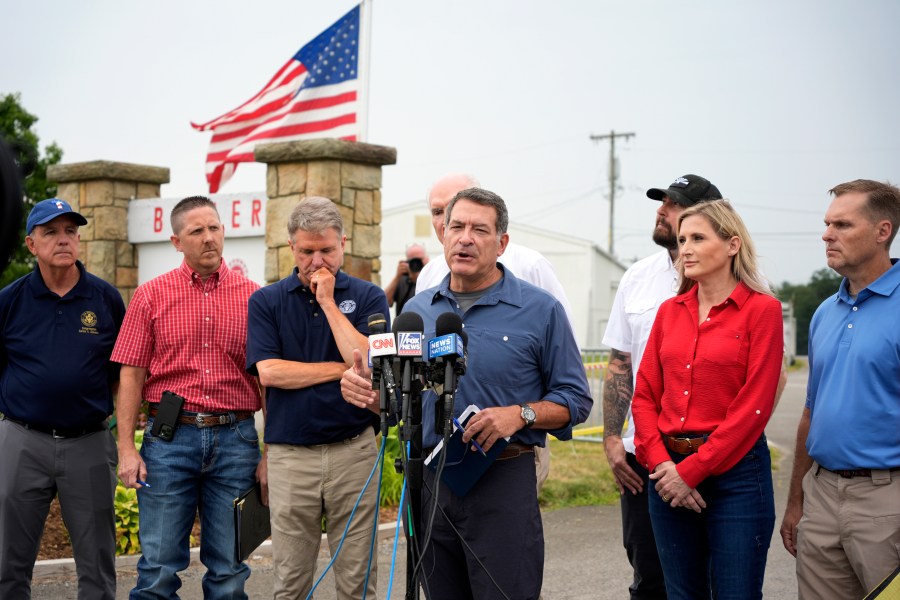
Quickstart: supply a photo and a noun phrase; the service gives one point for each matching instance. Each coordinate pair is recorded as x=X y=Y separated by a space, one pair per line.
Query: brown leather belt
x=851 y=473
x=515 y=450
x=684 y=444
x=208 y=419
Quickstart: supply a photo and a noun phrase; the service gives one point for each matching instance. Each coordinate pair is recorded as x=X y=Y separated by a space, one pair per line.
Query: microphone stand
x=411 y=388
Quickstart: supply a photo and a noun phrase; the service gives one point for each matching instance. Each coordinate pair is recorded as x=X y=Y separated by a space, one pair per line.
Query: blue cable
x=397 y=532
x=378 y=462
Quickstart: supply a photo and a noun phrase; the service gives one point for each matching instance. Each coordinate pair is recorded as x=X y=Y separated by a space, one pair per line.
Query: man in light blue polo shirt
x=841 y=520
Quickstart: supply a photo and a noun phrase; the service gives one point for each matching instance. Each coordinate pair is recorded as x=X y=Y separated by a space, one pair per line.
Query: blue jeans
x=200 y=469
x=720 y=552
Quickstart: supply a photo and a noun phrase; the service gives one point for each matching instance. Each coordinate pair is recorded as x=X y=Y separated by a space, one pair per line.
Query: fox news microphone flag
x=314 y=95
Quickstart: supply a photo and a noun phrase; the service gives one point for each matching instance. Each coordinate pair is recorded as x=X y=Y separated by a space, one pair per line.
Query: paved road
x=584 y=555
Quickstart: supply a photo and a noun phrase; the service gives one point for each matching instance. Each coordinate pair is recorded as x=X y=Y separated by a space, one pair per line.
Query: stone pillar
x=348 y=173
x=101 y=191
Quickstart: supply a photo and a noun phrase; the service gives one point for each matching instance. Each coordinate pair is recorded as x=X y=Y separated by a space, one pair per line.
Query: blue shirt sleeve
x=564 y=373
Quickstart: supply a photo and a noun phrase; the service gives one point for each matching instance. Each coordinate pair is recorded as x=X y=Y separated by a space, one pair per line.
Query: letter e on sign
x=235 y=213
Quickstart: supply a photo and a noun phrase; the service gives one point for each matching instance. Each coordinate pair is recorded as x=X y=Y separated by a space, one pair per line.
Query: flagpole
x=365 y=43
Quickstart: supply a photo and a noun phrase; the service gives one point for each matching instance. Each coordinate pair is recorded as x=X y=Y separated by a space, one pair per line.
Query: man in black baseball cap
x=687 y=190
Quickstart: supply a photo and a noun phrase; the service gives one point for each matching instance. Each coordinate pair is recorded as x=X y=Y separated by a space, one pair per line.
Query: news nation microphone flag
x=314 y=95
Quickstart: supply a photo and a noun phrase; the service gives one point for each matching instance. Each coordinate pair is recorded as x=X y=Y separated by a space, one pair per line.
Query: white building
x=589 y=275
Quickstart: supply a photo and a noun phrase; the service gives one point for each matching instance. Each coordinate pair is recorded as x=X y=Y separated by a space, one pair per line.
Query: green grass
x=796 y=365
x=579 y=476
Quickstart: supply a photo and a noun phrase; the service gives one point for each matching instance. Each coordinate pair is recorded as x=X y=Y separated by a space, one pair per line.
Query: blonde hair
x=727 y=224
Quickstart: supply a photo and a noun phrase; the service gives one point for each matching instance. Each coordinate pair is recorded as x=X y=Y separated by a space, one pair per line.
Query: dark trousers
x=34 y=467
x=500 y=521
x=637 y=537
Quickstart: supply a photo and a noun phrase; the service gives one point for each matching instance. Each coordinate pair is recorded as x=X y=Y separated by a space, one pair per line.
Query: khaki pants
x=304 y=483
x=849 y=535
x=542 y=465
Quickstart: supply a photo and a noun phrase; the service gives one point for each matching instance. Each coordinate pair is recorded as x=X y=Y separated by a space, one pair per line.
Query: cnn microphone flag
x=314 y=95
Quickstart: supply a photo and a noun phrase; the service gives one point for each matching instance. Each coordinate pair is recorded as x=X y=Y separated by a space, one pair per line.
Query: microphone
x=447 y=353
x=408 y=328
x=381 y=349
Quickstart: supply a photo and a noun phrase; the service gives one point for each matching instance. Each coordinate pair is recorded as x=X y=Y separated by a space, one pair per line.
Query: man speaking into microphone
x=302 y=333
x=524 y=372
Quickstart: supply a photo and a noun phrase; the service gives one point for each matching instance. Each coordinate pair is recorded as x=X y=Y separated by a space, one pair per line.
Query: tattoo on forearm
x=618 y=388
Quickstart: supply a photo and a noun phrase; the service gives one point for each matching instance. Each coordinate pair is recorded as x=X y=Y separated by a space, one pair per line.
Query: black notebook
x=463 y=467
x=251 y=523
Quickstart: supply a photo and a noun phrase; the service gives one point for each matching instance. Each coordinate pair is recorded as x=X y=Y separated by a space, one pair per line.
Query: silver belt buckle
x=199 y=419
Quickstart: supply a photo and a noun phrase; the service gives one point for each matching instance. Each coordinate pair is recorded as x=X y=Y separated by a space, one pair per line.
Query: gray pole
x=612 y=175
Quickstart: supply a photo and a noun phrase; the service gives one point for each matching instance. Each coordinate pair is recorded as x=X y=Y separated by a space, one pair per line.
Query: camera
x=415 y=265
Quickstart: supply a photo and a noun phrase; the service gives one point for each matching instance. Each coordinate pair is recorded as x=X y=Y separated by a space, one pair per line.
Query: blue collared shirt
x=854 y=379
x=54 y=351
x=285 y=322
x=520 y=349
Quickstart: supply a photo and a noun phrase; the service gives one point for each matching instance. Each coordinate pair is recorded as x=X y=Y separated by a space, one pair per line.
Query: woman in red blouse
x=705 y=390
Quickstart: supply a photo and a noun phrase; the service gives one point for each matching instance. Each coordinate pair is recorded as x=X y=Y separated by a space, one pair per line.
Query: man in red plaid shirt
x=186 y=332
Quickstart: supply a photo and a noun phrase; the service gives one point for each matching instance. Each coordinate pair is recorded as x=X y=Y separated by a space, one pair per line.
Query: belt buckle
x=199 y=420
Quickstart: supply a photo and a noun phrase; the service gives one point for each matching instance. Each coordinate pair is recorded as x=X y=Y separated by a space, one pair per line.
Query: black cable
x=466 y=544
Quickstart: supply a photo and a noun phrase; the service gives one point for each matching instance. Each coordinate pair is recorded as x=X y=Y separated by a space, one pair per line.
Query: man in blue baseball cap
x=58 y=325
x=48 y=210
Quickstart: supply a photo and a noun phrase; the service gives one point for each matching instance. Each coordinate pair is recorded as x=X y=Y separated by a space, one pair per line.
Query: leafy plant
x=392 y=481
x=127 y=523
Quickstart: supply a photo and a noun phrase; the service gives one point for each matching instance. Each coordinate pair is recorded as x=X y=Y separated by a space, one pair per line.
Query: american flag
x=314 y=95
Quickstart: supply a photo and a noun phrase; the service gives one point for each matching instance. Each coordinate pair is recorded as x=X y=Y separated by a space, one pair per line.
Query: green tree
x=807 y=298
x=17 y=127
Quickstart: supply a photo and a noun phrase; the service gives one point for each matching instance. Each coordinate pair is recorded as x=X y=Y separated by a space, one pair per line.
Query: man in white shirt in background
x=523 y=262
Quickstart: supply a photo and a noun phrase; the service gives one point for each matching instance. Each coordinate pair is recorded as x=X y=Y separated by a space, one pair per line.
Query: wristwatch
x=528 y=415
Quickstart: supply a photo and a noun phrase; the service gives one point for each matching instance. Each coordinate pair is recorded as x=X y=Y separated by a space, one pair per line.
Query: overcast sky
x=774 y=101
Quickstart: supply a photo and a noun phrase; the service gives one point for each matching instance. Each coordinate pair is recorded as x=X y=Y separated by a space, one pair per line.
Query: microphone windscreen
x=408 y=321
x=447 y=323
x=377 y=324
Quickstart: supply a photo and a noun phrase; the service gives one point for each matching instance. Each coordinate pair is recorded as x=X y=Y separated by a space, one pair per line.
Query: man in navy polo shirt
x=302 y=332
x=58 y=325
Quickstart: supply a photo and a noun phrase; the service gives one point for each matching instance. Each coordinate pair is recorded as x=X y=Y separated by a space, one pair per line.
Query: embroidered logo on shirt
x=347 y=306
x=89 y=320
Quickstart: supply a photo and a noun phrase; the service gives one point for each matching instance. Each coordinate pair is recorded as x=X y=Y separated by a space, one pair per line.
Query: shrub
x=127 y=526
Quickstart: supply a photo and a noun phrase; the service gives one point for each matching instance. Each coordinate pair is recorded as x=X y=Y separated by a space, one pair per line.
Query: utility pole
x=611 y=136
